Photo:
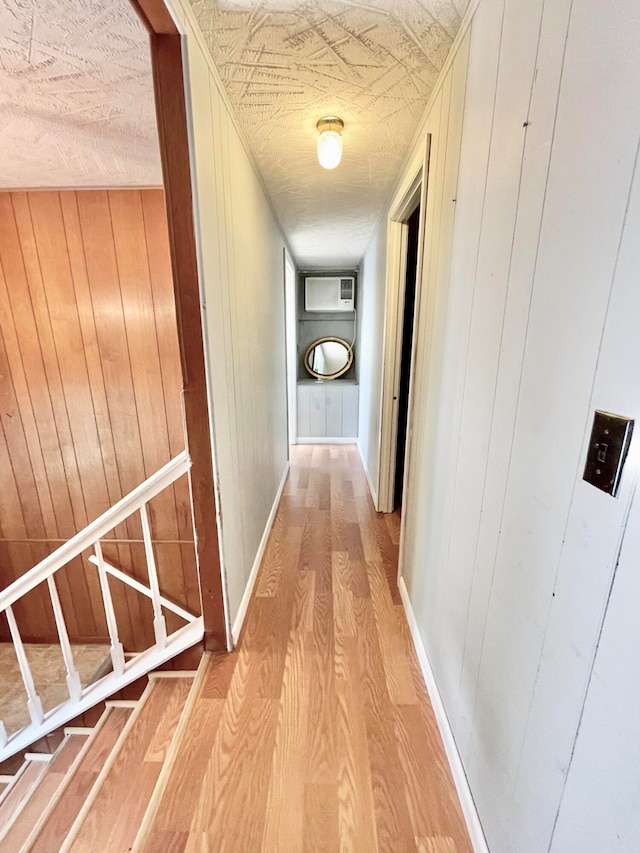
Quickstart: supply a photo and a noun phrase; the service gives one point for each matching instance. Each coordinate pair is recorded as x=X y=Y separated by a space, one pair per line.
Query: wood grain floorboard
x=59 y=822
x=114 y=818
x=316 y=733
x=20 y=794
x=47 y=787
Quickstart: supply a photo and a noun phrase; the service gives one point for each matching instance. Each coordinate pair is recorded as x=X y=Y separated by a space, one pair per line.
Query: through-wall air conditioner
x=325 y=293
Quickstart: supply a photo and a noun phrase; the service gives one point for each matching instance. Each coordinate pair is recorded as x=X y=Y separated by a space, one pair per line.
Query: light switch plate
x=608 y=447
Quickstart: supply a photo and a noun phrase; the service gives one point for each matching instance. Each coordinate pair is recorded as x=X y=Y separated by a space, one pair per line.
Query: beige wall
x=242 y=272
x=509 y=556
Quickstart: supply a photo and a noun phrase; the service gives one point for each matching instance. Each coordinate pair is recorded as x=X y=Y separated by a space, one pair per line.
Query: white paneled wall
x=369 y=364
x=328 y=410
x=241 y=250
x=527 y=324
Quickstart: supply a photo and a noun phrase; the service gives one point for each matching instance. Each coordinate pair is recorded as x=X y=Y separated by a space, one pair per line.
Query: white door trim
x=413 y=191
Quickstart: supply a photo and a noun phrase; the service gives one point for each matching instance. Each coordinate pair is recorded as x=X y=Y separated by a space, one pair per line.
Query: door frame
x=291 y=344
x=412 y=192
x=171 y=100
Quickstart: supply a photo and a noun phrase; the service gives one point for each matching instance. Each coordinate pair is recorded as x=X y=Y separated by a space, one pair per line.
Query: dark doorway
x=405 y=358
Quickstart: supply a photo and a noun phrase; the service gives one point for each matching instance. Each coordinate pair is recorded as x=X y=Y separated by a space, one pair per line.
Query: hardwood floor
x=317 y=733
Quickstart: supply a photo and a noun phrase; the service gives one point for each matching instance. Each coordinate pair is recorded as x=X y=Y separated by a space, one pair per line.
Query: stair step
x=56 y=823
x=17 y=797
x=112 y=815
x=49 y=783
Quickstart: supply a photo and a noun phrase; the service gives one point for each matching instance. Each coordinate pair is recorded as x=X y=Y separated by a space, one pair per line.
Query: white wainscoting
x=327 y=411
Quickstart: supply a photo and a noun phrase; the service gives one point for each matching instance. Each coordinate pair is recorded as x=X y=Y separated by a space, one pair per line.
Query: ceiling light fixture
x=330 y=141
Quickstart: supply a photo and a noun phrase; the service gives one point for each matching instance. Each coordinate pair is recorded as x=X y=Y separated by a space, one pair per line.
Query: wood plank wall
x=90 y=382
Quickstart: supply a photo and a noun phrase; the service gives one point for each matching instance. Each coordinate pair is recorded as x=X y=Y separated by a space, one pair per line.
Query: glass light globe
x=329 y=149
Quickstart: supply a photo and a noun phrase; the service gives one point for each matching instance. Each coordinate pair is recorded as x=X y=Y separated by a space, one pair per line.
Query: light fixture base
x=330 y=123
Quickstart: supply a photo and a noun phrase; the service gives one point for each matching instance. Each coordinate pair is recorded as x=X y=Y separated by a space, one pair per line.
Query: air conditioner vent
x=346 y=288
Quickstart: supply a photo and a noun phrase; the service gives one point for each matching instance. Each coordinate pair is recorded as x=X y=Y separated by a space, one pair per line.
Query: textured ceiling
x=76 y=95
x=285 y=64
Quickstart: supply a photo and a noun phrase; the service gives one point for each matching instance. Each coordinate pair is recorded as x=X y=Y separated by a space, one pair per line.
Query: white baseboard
x=472 y=820
x=367 y=473
x=242 y=610
x=325 y=440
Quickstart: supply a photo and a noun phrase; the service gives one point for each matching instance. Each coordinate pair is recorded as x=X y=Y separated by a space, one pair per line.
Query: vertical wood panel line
x=28 y=294
x=63 y=395
x=501 y=336
x=526 y=337
x=125 y=594
x=59 y=422
x=162 y=379
x=619 y=543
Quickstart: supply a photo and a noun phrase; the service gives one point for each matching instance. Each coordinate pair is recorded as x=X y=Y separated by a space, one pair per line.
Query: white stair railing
x=124 y=671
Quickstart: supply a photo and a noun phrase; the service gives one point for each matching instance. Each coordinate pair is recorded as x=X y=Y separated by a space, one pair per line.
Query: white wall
x=242 y=269
x=509 y=555
x=371 y=297
x=600 y=808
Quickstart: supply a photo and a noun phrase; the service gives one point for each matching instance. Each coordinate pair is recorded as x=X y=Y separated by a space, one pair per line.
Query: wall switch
x=610 y=439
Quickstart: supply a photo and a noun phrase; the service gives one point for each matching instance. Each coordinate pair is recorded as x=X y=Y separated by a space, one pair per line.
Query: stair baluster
x=33 y=700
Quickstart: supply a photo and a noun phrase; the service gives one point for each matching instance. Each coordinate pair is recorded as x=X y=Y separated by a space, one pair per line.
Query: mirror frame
x=338 y=373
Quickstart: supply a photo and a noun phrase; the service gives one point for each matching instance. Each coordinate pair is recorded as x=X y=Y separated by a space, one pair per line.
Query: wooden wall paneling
x=533 y=183
x=207 y=146
x=524 y=583
x=172 y=123
x=33 y=391
x=581 y=334
x=20 y=510
x=233 y=520
x=159 y=259
x=137 y=306
x=81 y=259
x=597 y=810
x=475 y=494
x=60 y=417
x=56 y=301
x=88 y=342
x=106 y=300
x=55 y=304
x=91 y=349
x=224 y=381
x=26 y=401
x=578 y=246
x=132 y=251
x=422 y=542
x=441 y=400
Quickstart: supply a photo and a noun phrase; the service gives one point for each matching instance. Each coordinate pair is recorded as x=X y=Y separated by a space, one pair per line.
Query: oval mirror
x=328 y=358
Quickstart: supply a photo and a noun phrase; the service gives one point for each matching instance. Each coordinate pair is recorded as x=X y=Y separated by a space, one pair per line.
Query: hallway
x=317 y=733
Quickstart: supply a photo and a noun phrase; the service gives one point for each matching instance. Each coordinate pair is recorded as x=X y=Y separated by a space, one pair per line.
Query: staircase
x=97 y=788
x=38 y=718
